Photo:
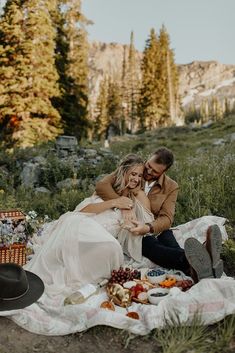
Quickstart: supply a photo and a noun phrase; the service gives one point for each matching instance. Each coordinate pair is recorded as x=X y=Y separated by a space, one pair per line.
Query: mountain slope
x=197 y=80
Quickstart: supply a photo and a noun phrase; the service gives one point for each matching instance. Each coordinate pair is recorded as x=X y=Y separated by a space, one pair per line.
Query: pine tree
x=40 y=36
x=109 y=109
x=168 y=79
x=72 y=50
x=192 y=114
x=102 y=118
x=226 y=107
x=159 y=100
x=37 y=119
x=150 y=109
x=133 y=87
x=124 y=92
x=12 y=62
x=216 y=109
x=114 y=106
x=204 y=111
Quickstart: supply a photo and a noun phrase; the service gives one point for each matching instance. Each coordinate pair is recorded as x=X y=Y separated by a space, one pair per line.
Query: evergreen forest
x=44 y=71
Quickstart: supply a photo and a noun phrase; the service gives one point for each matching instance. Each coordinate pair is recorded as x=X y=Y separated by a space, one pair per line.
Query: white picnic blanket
x=213 y=299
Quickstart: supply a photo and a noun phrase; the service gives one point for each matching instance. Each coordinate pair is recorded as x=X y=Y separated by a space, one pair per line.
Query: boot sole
x=198 y=258
x=214 y=239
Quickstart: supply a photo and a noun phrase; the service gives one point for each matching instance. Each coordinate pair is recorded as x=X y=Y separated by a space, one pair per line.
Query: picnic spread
x=137 y=297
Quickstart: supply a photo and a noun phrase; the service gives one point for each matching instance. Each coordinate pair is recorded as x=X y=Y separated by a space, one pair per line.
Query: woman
x=85 y=245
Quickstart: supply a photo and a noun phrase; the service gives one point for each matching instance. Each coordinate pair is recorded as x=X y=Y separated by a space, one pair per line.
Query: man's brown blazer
x=162 y=196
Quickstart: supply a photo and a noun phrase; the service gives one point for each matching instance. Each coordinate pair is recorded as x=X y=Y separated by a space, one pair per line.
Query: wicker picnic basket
x=13 y=214
x=15 y=252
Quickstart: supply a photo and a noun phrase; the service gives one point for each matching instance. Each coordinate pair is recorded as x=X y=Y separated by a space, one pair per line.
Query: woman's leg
x=97 y=260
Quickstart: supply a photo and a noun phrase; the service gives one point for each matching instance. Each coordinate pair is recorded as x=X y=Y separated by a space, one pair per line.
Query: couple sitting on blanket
x=155 y=238
x=131 y=213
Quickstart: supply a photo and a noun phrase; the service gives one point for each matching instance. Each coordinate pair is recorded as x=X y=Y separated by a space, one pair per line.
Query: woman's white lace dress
x=82 y=248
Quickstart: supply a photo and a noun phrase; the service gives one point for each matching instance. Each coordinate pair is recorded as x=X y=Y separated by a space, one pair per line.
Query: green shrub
x=55 y=171
x=104 y=166
x=228 y=255
x=205 y=173
x=52 y=205
x=207 y=186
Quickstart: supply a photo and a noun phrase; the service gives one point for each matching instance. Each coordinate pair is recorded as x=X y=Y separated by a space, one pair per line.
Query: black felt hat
x=18 y=288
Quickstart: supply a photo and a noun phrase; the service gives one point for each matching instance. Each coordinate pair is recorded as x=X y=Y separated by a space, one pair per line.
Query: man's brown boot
x=198 y=259
x=214 y=247
x=193 y=274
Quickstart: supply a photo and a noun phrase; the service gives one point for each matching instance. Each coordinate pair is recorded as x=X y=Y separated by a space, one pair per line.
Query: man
x=162 y=191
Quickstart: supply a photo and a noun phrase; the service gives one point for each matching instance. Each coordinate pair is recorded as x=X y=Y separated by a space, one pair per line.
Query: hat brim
x=36 y=288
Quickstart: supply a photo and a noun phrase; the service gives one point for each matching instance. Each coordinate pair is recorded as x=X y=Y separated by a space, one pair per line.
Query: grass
x=174 y=338
x=197 y=338
x=203 y=170
x=179 y=338
x=205 y=173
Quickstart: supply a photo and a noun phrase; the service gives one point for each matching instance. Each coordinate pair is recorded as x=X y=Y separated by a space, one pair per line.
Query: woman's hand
x=128 y=216
x=123 y=202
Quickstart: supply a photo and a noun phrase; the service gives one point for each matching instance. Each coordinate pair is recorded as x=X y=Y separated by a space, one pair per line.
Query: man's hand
x=123 y=202
x=139 y=229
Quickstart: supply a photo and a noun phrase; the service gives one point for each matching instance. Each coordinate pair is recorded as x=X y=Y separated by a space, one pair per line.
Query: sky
x=199 y=29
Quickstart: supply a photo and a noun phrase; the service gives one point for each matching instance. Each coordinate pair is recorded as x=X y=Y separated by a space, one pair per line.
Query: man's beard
x=148 y=177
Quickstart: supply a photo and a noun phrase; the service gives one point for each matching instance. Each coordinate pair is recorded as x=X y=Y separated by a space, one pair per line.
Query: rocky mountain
x=106 y=60
x=199 y=80
x=203 y=79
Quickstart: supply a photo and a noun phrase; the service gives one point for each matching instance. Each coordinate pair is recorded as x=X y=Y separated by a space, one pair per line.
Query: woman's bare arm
x=143 y=199
x=120 y=202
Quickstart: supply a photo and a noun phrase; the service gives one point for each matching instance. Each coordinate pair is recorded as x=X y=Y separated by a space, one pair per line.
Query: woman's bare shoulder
x=140 y=193
x=143 y=198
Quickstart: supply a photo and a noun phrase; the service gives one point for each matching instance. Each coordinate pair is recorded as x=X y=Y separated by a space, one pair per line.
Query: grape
x=123 y=275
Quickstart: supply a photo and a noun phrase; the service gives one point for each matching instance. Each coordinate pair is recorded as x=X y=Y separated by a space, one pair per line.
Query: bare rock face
x=106 y=60
x=203 y=75
x=198 y=80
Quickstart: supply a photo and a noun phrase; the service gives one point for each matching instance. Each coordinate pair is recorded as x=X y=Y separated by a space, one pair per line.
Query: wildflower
x=39 y=232
x=46 y=218
x=32 y=214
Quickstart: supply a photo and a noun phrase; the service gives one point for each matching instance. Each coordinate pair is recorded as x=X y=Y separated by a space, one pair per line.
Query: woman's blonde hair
x=130 y=161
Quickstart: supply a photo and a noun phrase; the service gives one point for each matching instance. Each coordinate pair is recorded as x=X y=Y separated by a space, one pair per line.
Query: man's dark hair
x=164 y=156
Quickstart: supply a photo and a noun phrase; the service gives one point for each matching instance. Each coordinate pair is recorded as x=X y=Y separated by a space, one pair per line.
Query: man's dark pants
x=164 y=251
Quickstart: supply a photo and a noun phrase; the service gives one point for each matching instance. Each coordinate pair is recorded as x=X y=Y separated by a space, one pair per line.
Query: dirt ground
x=14 y=339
